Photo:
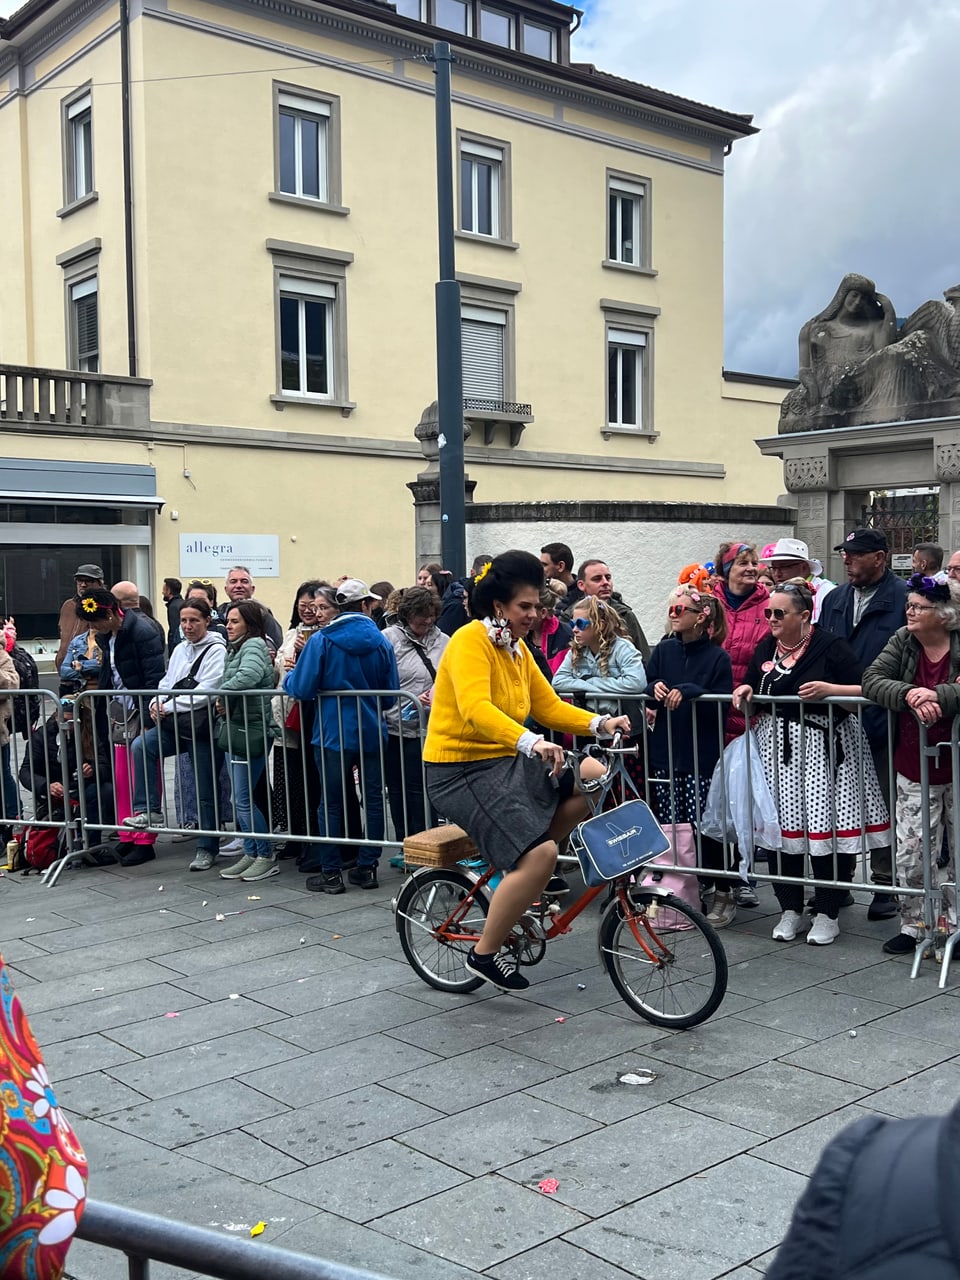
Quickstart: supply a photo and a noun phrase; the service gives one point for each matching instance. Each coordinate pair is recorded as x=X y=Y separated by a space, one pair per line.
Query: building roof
x=581 y=74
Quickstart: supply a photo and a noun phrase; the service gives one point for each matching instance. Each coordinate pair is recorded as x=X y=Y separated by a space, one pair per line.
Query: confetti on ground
x=204 y=903
x=301 y=979
x=259 y=1229
x=96 y=988
x=549 y=1186
x=171 y=1015
x=233 y=996
x=337 y=936
x=559 y=1019
x=638 y=1077
x=253 y=897
x=853 y=1035
x=219 y=916
x=302 y=941
x=159 y=888
x=164 y=911
x=581 y=986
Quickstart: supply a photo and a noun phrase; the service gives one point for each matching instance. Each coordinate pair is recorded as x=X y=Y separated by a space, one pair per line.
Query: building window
x=306 y=337
x=496 y=27
x=483 y=334
x=307 y=165
x=77 y=122
x=539 y=41
x=84 y=335
x=627 y=203
x=452 y=15
x=484 y=187
x=311 y=328
x=410 y=9
x=626 y=378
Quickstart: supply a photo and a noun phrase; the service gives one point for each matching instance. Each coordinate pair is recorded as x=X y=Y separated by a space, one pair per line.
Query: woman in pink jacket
x=744 y=600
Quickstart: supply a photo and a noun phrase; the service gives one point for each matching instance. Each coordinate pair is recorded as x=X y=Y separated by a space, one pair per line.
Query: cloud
x=854 y=169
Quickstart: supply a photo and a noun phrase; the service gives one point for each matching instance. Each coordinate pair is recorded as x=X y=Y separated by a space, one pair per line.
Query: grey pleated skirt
x=505 y=805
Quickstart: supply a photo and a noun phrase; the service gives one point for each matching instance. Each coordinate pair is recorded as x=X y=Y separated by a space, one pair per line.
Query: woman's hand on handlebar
x=551 y=754
x=610 y=725
x=741 y=695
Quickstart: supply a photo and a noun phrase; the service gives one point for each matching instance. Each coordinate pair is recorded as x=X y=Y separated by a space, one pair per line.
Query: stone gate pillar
x=426 y=488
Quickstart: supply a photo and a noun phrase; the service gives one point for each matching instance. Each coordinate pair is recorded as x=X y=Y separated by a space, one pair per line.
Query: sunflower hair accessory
x=89 y=605
x=483 y=573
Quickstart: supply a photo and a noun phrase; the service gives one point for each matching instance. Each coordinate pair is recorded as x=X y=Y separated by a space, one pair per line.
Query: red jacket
x=746 y=627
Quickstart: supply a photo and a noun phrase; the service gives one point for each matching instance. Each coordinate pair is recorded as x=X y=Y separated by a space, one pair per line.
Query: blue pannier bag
x=616 y=843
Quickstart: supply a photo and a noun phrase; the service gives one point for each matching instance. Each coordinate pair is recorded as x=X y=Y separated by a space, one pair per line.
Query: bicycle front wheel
x=664 y=959
x=426 y=903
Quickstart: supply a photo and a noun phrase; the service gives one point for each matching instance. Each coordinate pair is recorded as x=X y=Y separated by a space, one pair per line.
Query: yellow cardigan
x=482 y=697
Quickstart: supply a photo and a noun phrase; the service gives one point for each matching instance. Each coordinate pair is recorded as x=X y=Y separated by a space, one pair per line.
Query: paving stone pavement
x=284 y=1064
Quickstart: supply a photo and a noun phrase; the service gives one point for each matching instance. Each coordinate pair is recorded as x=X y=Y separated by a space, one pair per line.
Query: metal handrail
x=146 y=1238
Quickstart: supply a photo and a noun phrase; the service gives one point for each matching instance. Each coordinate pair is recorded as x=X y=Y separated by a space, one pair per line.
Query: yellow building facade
x=258 y=248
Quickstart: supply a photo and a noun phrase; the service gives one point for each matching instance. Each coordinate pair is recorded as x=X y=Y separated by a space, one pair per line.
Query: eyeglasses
x=779 y=614
x=953 y=568
x=306 y=607
x=677 y=611
x=918 y=608
x=581 y=624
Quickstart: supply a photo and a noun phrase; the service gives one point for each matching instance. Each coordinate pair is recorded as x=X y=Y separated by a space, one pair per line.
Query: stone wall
x=645 y=543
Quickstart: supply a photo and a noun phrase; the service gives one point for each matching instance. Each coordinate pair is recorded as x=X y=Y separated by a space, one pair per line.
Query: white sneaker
x=723 y=911
x=232 y=846
x=823 y=931
x=187 y=833
x=789 y=925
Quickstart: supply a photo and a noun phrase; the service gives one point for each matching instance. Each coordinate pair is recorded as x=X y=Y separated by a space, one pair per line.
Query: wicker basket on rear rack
x=439 y=847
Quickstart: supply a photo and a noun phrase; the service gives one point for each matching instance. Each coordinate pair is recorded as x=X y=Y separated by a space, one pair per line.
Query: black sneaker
x=884 y=906
x=327 y=882
x=901 y=944
x=557 y=887
x=365 y=877
x=140 y=853
x=497 y=970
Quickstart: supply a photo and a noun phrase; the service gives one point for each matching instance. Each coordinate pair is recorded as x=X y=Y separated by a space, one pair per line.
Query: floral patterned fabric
x=43 y=1170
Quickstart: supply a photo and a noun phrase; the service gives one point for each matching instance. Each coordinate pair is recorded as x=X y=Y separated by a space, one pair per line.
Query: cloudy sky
x=857 y=167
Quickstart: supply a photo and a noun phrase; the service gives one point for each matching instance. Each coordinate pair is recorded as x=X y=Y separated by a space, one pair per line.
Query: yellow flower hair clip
x=89 y=605
x=483 y=573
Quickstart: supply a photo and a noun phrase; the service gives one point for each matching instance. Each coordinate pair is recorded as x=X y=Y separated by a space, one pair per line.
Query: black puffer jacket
x=139 y=654
x=881 y=1205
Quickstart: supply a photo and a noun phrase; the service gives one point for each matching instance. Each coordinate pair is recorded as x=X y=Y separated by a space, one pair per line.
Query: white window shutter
x=482 y=345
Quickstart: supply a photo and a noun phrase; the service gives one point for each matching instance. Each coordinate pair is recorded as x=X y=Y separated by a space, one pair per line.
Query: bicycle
x=664 y=959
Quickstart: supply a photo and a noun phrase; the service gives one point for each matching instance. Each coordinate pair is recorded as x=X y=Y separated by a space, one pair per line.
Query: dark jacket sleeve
x=453 y=613
x=152 y=651
x=173 y=623
x=883 y=680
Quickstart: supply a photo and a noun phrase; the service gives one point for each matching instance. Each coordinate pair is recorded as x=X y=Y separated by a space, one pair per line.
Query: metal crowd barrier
x=146 y=1238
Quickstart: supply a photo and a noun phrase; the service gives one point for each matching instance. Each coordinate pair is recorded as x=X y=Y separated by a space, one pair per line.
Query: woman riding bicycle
x=505 y=785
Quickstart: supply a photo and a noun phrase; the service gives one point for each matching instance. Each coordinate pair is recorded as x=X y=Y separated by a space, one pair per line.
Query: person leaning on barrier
x=41 y=773
x=866 y=610
x=418 y=645
x=601 y=666
x=132 y=654
x=183 y=723
x=916 y=675
x=816 y=760
x=881 y=1205
x=70 y=625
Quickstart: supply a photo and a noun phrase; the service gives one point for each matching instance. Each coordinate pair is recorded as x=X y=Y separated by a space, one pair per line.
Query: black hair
x=931 y=554
x=308 y=588
x=508 y=572
x=559 y=553
x=201 y=605
x=105 y=603
x=253 y=614
x=175 y=585
x=146 y=607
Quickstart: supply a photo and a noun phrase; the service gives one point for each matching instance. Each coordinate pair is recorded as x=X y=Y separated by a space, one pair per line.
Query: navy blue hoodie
x=349 y=653
x=695 y=668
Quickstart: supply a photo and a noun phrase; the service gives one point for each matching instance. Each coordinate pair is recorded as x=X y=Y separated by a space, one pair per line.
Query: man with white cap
x=790 y=558
x=349 y=733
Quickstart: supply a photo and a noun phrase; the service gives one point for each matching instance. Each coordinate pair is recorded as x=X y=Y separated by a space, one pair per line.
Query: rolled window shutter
x=482 y=345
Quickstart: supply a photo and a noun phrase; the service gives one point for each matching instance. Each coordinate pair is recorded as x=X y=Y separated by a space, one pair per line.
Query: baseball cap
x=788 y=549
x=90 y=571
x=864 y=540
x=352 y=590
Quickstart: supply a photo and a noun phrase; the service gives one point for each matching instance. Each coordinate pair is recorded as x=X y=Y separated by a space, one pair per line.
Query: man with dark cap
x=87 y=576
x=866 y=610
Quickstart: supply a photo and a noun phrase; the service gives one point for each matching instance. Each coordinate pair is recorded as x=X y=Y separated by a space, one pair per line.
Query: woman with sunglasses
x=686 y=744
x=817 y=763
x=916 y=675
x=600 y=660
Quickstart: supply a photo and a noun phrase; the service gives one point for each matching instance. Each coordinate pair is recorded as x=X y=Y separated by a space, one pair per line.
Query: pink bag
x=683 y=853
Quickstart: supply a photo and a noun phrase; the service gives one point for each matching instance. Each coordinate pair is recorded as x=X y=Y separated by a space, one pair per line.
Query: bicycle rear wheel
x=424 y=904
x=664 y=959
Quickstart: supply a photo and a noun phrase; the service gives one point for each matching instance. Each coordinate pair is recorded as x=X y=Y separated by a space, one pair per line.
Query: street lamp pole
x=449 y=355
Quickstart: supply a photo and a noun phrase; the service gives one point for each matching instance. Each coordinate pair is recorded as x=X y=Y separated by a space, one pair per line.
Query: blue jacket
x=350 y=653
x=695 y=668
x=884 y=615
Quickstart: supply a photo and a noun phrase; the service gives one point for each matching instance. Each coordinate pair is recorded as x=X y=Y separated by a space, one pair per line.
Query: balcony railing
x=66 y=397
x=493 y=412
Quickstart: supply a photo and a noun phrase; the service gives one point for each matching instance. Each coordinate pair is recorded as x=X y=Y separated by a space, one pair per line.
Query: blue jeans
x=336 y=772
x=158 y=743
x=245 y=774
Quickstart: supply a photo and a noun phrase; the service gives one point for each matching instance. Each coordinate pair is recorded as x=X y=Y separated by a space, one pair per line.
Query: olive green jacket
x=890 y=677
